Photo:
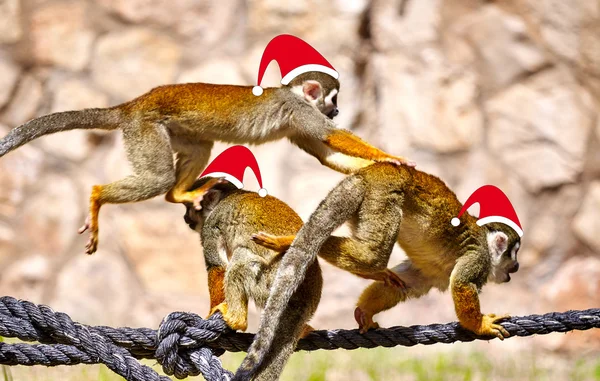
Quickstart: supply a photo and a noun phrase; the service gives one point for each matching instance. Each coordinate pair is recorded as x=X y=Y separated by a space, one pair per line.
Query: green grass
x=447 y=363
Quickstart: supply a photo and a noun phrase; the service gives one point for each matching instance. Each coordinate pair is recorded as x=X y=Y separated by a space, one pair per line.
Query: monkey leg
x=332 y=247
x=387 y=276
x=149 y=152
x=216 y=264
x=242 y=281
x=379 y=296
x=216 y=286
x=340 y=252
x=376 y=298
x=191 y=160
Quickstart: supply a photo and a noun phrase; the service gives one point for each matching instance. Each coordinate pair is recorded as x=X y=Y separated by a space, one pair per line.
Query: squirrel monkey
x=186 y=119
x=226 y=222
x=385 y=203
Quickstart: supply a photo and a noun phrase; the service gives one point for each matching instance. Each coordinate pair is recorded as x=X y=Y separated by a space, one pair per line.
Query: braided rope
x=187 y=345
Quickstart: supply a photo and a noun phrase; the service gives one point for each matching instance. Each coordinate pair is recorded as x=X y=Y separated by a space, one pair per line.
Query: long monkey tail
x=92 y=118
x=339 y=205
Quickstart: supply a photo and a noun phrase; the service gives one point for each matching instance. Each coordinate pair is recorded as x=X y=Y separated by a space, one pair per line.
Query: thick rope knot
x=182 y=346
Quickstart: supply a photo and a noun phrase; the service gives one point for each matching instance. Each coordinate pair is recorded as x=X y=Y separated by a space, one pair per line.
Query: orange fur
x=204 y=99
x=351 y=145
x=235 y=319
x=216 y=286
x=468 y=311
x=466 y=303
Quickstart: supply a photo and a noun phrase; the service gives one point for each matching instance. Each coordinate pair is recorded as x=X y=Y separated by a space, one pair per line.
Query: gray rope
x=187 y=345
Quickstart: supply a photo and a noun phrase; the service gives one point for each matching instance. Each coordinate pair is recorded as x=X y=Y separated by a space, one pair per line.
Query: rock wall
x=477 y=92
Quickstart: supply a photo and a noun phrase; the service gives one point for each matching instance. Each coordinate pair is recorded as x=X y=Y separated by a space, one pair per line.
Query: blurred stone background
x=476 y=92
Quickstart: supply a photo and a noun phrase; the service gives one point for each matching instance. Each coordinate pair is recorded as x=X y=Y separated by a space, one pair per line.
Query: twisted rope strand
x=187 y=345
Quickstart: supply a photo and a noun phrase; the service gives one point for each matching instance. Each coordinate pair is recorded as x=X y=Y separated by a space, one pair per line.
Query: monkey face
x=193 y=217
x=330 y=104
x=503 y=249
x=320 y=90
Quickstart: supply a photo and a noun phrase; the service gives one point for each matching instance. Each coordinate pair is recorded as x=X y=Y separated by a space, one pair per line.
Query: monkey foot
x=400 y=161
x=86 y=225
x=364 y=320
x=488 y=326
x=234 y=322
x=92 y=244
x=269 y=241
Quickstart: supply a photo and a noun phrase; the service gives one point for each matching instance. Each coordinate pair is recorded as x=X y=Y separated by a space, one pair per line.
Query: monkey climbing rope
x=187 y=345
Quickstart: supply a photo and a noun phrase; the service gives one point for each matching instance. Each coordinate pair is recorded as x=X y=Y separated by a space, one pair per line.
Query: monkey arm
x=345 y=142
x=336 y=148
x=341 y=252
x=466 y=299
x=279 y=244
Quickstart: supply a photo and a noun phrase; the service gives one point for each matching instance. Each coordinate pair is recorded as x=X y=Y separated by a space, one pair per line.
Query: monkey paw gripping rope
x=187 y=345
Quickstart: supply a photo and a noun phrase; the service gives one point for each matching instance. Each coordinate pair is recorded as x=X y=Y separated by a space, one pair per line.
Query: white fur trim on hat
x=305 y=69
x=227 y=177
x=262 y=192
x=504 y=220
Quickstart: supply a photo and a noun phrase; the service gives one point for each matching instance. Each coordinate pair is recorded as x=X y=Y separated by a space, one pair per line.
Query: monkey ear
x=312 y=90
x=498 y=243
x=211 y=199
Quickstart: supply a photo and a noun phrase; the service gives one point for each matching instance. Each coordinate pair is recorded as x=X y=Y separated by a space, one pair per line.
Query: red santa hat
x=294 y=57
x=231 y=165
x=494 y=207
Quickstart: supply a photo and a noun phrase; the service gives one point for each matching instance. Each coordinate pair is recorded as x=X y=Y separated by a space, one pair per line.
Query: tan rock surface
x=127 y=64
x=9 y=75
x=587 y=224
x=24 y=103
x=61 y=35
x=541 y=127
x=11 y=29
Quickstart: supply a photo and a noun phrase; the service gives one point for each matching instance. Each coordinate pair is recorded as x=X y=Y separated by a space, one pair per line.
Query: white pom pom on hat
x=257 y=90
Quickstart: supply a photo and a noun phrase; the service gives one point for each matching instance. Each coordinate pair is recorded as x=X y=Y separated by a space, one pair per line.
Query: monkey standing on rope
x=386 y=203
x=187 y=118
x=226 y=222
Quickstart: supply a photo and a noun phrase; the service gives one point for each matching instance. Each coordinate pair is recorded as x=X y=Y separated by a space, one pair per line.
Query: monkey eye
x=334 y=100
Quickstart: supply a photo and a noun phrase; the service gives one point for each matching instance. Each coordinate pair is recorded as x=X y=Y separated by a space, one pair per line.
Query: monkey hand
x=273 y=242
x=306 y=331
x=488 y=326
x=92 y=244
x=364 y=320
x=398 y=160
x=235 y=322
